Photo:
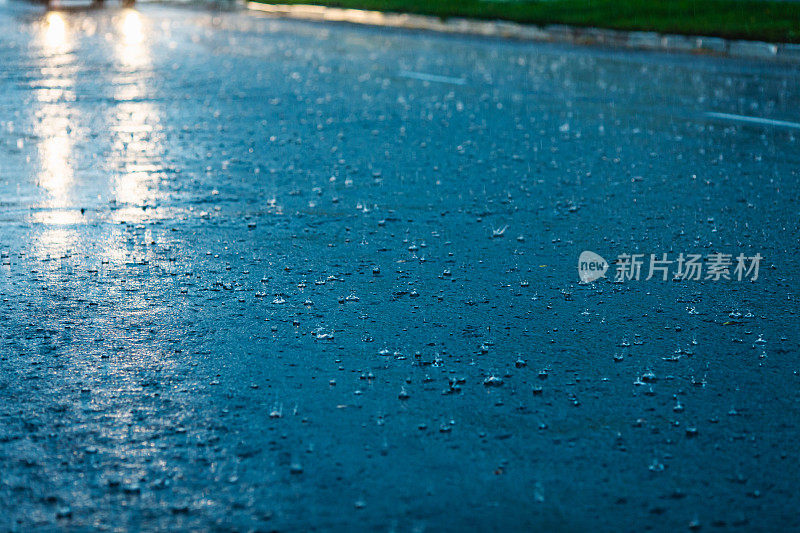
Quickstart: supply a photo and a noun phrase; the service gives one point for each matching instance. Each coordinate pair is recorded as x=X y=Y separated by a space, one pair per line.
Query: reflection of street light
x=53 y=127
x=56 y=150
x=135 y=119
x=131 y=28
x=130 y=47
x=55 y=146
x=55 y=36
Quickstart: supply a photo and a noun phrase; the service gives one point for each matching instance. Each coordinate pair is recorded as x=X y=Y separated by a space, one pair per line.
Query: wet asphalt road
x=259 y=274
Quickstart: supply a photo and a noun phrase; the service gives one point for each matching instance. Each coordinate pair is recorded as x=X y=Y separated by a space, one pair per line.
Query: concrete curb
x=637 y=40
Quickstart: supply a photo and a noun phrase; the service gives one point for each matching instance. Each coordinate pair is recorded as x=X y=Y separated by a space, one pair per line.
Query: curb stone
x=557 y=33
x=752 y=49
x=644 y=39
x=712 y=44
x=679 y=43
x=790 y=51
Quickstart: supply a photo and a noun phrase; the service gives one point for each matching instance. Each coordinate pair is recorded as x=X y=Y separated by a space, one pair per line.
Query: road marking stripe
x=754 y=120
x=431 y=77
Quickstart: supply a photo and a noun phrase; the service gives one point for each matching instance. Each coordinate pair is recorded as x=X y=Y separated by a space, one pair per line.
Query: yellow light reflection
x=135 y=123
x=53 y=115
x=56 y=62
x=132 y=55
x=56 y=217
x=131 y=28
x=55 y=152
x=138 y=153
x=53 y=124
x=55 y=33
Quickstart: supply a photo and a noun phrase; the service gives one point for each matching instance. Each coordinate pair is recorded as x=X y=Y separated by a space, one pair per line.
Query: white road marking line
x=431 y=77
x=754 y=120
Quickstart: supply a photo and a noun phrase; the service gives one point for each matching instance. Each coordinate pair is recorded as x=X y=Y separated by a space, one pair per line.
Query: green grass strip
x=768 y=20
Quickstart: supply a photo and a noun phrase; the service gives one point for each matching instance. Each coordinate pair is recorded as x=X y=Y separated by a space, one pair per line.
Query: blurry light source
x=56 y=151
x=131 y=28
x=55 y=35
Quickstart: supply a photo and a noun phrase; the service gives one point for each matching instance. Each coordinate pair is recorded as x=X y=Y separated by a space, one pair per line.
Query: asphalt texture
x=260 y=274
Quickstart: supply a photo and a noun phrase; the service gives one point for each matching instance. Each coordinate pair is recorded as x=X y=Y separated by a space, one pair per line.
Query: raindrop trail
x=431 y=77
x=754 y=120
